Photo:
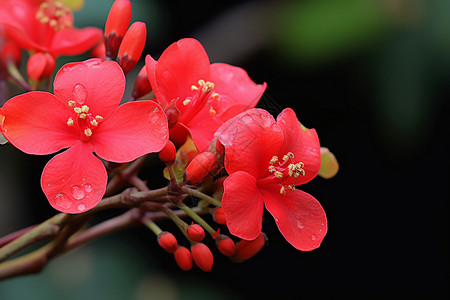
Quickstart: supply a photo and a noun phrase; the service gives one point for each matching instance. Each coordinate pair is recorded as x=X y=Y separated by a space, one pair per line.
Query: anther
x=278 y=174
x=272 y=169
x=194 y=88
x=212 y=112
x=82 y=116
x=215 y=96
x=274 y=160
x=77 y=110
x=94 y=122
x=71 y=103
x=70 y=122
x=186 y=102
x=98 y=118
x=85 y=108
x=88 y=132
x=282 y=191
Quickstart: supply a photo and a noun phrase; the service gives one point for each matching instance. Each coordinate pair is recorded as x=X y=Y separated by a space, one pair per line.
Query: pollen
x=186 y=102
x=71 y=103
x=194 y=88
x=278 y=174
x=212 y=112
x=272 y=169
x=70 y=122
x=88 y=132
x=295 y=170
x=215 y=96
x=98 y=118
x=82 y=116
x=77 y=110
x=94 y=122
x=85 y=109
x=282 y=191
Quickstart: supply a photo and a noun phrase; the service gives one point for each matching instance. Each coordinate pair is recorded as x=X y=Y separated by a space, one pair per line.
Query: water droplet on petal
x=63 y=201
x=300 y=225
x=313 y=237
x=81 y=207
x=79 y=93
x=77 y=192
x=155 y=110
x=87 y=188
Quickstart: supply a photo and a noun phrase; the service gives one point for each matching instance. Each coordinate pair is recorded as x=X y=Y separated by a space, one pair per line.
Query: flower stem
x=194 y=216
x=152 y=226
x=203 y=196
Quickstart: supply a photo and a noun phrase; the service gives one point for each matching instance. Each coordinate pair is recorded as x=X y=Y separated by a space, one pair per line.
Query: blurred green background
x=373 y=78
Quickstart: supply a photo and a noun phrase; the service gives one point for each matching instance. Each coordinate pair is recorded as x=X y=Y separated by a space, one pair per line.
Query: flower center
x=204 y=95
x=56 y=14
x=285 y=171
x=83 y=120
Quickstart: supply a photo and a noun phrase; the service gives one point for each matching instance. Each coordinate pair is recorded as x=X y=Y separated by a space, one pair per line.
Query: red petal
x=299 y=217
x=234 y=86
x=134 y=129
x=243 y=205
x=74 y=181
x=180 y=66
x=74 y=41
x=96 y=83
x=36 y=123
x=251 y=139
x=302 y=142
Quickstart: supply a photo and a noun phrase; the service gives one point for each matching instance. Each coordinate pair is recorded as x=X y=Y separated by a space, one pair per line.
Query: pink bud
x=200 y=166
x=119 y=18
x=141 y=85
x=132 y=45
x=40 y=65
x=202 y=256
x=196 y=232
x=183 y=257
x=167 y=241
x=247 y=249
x=168 y=154
x=225 y=245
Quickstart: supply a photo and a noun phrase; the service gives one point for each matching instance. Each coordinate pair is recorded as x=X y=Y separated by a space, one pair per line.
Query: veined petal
x=180 y=66
x=243 y=205
x=134 y=129
x=234 y=87
x=96 y=83
x=74 y=181
x=299 y=217
x=302 y=142
x=74 y=41
x=36 y=123
x=251 y=139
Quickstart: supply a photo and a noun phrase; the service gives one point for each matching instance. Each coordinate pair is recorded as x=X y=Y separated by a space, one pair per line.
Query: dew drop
x=63 y=201
x=87 y=188
x=79 y=93
x=77 y=192
x=155 y=110
x=313 y=237
x=300 y=225
x=81 y=207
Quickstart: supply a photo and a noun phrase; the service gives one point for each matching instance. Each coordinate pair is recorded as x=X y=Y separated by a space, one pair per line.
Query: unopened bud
x=40 y=65
x=132 y=45
x=196 y=232
x=247 y=249
x=172 y=114
x=202 y=256
x=168 y=154
x=119 y=18
x=219 y=216
x=225 y=245
x=141 y=85
x=167 y=241
x=200 y=166
x=183 y=257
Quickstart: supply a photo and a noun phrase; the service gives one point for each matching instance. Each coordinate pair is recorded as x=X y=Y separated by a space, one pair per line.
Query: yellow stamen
x=70 y=122
x=212 y=112
x=215 y=96
x=283 y=191
x=272 y=169
x=98 y=118
x=71 y=103
x=94 y=123
x=85 y=108
x=77 y=110
x=82 y=116
x=278 y=174
x=88 y=132
x=274 y=160
x=186 y=102
x=194 y=88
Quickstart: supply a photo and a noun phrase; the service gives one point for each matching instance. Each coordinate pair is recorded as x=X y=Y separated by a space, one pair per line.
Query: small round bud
x=141 y=85
x=167 y=241
x=183 y=257
x=172 y=114
x=196 y=232
x=40 y=65
x=247 y=249
x=202 y=256
x=168 y=154
x=225 y=245
x=219 y=216
x=200 y=166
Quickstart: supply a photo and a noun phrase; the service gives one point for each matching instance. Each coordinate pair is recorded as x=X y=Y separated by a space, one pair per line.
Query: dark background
x=372 y=77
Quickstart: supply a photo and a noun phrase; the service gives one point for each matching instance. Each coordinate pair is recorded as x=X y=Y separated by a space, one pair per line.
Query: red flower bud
x=225 y=245
x=173 y=114
x=132 y=45
x=200 y=166
x=196 y=232
x=40 y=65
x=168 y=154
x=247 y=249
x=167 y=241
x=183 y=257
x=219 y=216
x=141 y=85
x=119 y=18
x=202 y=256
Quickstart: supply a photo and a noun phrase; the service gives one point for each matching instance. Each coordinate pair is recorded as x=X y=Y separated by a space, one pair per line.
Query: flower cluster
x=201 y=119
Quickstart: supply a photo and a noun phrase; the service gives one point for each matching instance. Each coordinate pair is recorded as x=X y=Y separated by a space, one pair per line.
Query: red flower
x=266 y=159
x=46 y=26
x=83 y=115
x=207 y=94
